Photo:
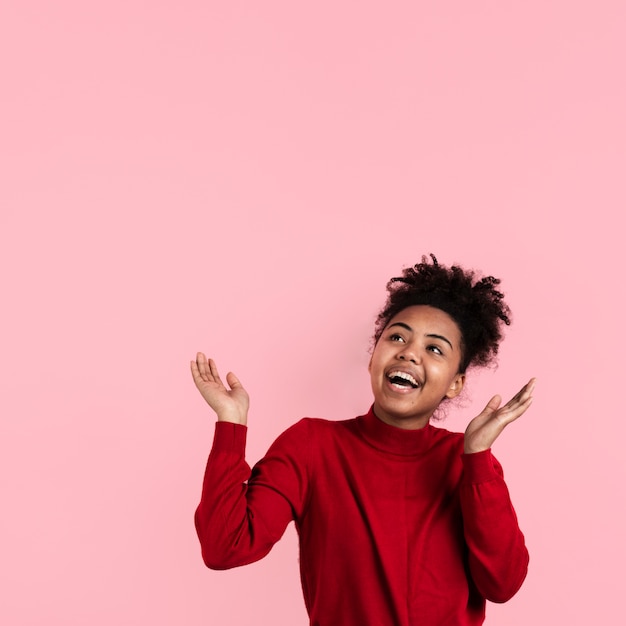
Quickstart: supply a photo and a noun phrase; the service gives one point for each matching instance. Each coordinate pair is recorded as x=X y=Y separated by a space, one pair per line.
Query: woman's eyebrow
x=442 y=338
x=433 y=335
x=402 y=325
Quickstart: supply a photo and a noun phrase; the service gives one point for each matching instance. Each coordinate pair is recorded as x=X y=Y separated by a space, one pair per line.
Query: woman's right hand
x=231 y=405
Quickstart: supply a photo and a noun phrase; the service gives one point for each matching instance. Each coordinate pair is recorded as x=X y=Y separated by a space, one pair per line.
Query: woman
x=400 y=522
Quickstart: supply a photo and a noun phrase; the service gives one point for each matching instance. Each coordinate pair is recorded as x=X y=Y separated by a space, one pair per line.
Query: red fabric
x=397 y=527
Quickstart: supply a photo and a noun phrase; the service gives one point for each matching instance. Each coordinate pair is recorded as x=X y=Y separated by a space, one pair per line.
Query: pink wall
x=243 y=178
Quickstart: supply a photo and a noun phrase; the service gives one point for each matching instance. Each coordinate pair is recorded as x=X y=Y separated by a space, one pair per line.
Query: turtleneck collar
x=392 y=439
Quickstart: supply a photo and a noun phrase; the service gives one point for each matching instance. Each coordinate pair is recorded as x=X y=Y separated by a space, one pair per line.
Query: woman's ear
x=456 y=386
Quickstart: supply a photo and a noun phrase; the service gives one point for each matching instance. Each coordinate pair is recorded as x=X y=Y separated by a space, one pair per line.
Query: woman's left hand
x=483 y=430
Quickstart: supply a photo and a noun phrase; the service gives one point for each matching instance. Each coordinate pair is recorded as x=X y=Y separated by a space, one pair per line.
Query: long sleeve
x=498 y=557
x=242 y=513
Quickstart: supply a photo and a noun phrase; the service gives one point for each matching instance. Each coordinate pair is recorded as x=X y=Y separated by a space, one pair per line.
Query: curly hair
x=474 y=304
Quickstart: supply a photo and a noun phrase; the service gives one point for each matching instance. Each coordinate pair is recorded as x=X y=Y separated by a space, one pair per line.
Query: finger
x=523 y=394
x=233 y=381
x=202 y=366
x=530 y=386
x=527 y=389
x=195 y=373
x=509 y=414
x=213 y=373
x=493 y=404
x=488 y=412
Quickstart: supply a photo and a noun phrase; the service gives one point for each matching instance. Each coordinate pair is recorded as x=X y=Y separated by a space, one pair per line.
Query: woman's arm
x=498 y=557
x=243 y=512
x=239 y=518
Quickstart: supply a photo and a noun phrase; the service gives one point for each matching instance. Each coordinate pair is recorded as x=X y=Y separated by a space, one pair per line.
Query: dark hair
x=474 y=304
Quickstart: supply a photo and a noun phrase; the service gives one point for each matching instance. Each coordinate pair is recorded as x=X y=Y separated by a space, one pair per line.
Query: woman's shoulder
x=313 y=433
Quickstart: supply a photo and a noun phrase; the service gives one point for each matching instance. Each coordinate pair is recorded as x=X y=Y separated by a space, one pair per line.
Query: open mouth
x=403 y=379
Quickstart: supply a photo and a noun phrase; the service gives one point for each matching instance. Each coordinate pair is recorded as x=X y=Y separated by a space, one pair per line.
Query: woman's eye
x=436 y=349
x=396 y=337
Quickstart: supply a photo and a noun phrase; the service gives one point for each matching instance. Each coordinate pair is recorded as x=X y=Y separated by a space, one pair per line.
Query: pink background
x=243 y=178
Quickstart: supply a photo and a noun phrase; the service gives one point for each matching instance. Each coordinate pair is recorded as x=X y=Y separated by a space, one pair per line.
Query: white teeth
x=404 y=376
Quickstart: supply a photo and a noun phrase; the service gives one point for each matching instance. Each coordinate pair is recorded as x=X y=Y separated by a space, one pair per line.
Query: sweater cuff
x=229 y=437
x=478 y=467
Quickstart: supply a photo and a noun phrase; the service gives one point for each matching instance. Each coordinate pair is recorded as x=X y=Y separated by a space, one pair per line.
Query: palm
x=230 y=403
x=484 y=429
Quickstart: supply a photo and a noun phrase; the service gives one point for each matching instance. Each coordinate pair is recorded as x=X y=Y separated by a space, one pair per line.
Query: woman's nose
x=410 y=354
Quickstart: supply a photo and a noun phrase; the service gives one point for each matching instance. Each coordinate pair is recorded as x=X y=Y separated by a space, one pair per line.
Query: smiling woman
x=399 y=522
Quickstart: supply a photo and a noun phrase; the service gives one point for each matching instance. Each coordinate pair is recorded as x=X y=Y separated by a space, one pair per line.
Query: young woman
x=400 y=523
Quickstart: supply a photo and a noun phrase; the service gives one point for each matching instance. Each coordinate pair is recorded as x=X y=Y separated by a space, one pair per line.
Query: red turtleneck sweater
x=397 y=527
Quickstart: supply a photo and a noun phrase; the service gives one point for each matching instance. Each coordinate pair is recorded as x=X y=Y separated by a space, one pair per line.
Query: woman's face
x=415 y=365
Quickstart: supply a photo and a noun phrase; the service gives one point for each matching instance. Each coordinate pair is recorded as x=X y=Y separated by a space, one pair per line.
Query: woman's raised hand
x=231 y=405
x=483 y=430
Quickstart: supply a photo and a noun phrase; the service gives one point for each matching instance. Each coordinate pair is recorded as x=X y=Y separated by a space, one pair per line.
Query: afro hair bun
x=475 y=304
